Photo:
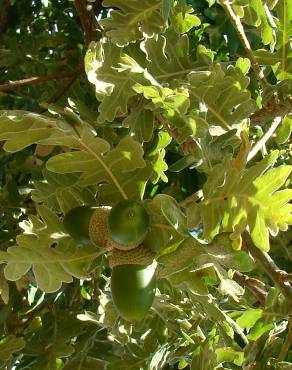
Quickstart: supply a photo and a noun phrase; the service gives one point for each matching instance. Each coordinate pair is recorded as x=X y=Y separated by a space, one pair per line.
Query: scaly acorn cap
x=98 y=230
x=138 y=256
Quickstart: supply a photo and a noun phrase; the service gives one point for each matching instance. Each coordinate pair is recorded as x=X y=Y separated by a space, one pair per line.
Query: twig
x=269 y=266
x=252 y=285
x=38 y=80
x=239 y=28
x=4 y=14
x=88 y=21
x=271 y=110
x=257 y=147
x=286 y=276
x=188 y=146
x=287 y=343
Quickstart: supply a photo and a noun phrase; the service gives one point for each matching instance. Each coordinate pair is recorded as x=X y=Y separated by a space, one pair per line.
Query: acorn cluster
x=120 y=230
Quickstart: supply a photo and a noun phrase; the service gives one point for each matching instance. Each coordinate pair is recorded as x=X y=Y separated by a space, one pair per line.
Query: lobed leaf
x=251 y=198
x=131 y=19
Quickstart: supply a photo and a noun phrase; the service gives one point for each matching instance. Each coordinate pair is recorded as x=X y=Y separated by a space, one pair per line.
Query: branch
x=4 y=14
x=253 y=285
x=235 y=20
x=258 y=146
x=271 y=110
x=286 y=276
x=38 y=80
x=88 y=21
x=268 y=265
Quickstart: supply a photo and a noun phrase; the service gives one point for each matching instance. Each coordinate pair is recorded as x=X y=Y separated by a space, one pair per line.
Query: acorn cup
x=133 y=282
x=87 y=224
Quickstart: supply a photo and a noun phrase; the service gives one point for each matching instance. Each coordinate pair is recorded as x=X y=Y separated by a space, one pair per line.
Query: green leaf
x=284 y=131
x=113 y=74
x=166 y=6
x=157 y=157
x=231 y=288
x=183 y=163
x=225 y=96
x=168 y=56
x=179 y=259
x=61 y=193
x=160 y=233
x=53 y=257
x=183 y=22
x=4 y=288
x=121 y=172
x=228 y=354
x=175 y=103
x=255 y=15
x=131 y=19
x=204 y=357
x=8 y=346
x=247 y=198
x=249 y=317
x=281 y=64
x=141 y=123
x=21 y=129
x=174 y=214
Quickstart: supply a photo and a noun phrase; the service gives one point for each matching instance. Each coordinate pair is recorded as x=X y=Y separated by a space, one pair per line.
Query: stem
x=38 y=80
x=286 y=276
x=268 y=265
x=235 y=20
x=287 y=343
x=258 y=146
x=252 y=286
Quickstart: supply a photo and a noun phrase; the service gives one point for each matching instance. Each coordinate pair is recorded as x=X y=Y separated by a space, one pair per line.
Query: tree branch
x=4 y=14
x=271 y=110
x=268 y=265
x=252 y=285
x=88 y=21
x=257 y=147
x=38 y=80
x=235 y=20
x=286 y=276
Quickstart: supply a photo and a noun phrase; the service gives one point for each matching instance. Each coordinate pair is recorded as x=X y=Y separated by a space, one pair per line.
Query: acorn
x=128 y=223
x=133 y=282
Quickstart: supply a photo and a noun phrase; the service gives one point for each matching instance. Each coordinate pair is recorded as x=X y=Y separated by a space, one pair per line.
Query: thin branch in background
x=4 y=15
x=235 y=20
x=287 y=343
x=252 y=285
x=38 y=80
x=259 y=145
x=269 y=266
x=88 y=21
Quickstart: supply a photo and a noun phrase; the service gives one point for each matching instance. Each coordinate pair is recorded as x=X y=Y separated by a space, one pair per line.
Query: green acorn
x=128 y=223
x=133 y=282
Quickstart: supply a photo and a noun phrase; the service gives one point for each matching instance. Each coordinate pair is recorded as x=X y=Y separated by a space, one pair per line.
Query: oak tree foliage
x=184 y=105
